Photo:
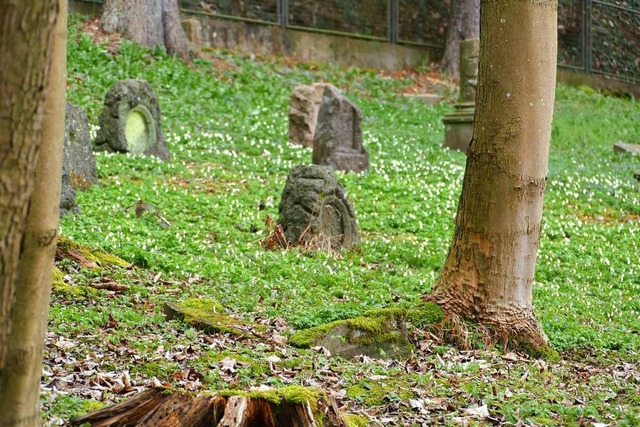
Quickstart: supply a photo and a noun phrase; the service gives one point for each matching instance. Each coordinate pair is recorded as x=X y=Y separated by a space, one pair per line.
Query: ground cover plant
x=208 y=209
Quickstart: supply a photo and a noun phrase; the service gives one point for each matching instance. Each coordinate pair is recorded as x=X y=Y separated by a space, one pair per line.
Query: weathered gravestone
x=337 y=142
x=622 y=147
x=303 y=113
x=78 y=166
x=130 y=121
x=314 y=210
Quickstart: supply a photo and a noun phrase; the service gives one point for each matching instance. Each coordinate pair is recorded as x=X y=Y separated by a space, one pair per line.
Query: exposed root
x=520 y=333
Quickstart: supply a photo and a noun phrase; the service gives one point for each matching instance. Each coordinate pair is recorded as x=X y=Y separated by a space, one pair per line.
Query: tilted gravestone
x=337 y=142
x=78 y=166
x=303 y=113
x=130 y=121
x=314 y=210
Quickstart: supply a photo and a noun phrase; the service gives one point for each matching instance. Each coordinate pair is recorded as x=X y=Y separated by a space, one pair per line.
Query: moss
x=425 y=315
x=353 y=420
x=378 y=393
x=294 y=395
x=207 y=314
x=202 y=306
x=73 y=292
x=89 y=406
x=308 y=337
x=535 y=350
x=374 y=326
x=162 y=371
x=103 y=259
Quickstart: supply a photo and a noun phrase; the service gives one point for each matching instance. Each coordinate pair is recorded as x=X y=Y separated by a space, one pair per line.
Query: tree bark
x=150 y=23
x=489 y=272
x=25 y=40
x=20 y=377
x=464 y=23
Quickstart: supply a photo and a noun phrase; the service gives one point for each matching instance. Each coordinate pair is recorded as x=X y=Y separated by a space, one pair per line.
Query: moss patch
x=376 y=393
x=72 y=292
x=353 y=420
x=427 y=314
x=207 y=315
x=71 y=249
x=294 y=395
x=380 y=332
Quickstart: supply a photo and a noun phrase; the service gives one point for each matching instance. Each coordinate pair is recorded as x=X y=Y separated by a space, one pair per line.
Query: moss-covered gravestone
x=378 y=334
x=314 y=210
x=78 y=166
x=130 y=121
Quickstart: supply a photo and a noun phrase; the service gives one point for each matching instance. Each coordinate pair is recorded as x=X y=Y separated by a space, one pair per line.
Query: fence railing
x=594 y=36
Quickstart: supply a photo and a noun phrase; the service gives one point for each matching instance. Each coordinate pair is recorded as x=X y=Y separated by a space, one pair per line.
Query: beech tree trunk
x=464 y=23
x=489 y=272
x=150 y=23
x=32 y=37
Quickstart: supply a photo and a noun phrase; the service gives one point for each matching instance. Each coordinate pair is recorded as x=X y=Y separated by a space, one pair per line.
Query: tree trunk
x=20 y=377
x=25 y=40
x=489 y=272
x=150 y=23
x=464 y=23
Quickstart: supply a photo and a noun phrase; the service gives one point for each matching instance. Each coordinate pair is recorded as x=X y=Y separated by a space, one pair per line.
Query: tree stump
x=292 y=406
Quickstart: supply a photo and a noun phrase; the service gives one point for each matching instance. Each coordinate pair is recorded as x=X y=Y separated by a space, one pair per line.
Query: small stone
x=130 y=121
x=337 y=141
x=303 y=113
x=78 y=166
x=314 y=210
x=621 y=147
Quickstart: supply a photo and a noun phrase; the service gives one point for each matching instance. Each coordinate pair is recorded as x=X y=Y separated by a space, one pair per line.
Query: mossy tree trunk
x=32 y=86
x=489 y=272
x=464 y=23
x=149 y=23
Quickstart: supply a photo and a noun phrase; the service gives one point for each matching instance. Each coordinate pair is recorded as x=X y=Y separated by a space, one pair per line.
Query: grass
x=225 y=120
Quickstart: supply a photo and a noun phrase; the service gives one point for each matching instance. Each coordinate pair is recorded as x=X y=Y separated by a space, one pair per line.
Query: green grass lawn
x=226 y=123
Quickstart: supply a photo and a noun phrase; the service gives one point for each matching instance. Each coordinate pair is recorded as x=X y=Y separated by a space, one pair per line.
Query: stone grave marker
x=622 y=147
x=337 y=141
x=78 y=165
x=303 y=113
x=130 y=121
x=314 y=210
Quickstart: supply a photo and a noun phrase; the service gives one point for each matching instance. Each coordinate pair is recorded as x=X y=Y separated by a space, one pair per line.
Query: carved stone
x=130 y=121
x=78 y=166
x=303 y=113
x=314 y=209
x=337 y=142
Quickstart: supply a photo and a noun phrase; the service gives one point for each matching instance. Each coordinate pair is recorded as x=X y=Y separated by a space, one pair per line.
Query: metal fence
x=601 y=37
x=594 y=36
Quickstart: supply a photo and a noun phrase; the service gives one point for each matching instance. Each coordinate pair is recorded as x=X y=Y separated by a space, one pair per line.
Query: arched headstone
x=314 y=209
x=130 y=121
